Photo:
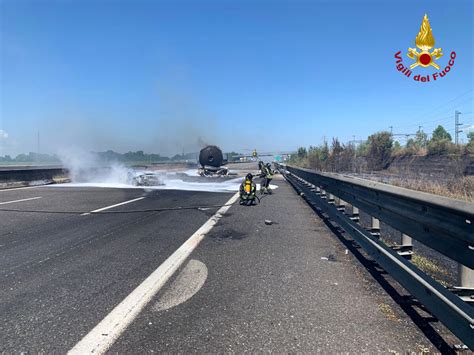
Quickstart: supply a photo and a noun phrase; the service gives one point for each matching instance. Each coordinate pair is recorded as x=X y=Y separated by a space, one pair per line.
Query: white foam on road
x=192 y=172
x=171 y=184
x=168 y=183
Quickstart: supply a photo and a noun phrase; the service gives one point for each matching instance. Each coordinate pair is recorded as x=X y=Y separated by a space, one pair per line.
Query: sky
x=170 y=76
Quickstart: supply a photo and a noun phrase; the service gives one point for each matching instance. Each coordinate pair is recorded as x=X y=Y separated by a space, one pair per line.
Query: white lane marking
x=104 y=334
x=20 y=188
x=116 y=205
x=23 y=199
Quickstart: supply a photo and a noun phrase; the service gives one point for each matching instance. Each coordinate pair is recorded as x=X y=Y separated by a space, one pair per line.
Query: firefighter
x=268 y=177
x=248 y=191
x=266 y=174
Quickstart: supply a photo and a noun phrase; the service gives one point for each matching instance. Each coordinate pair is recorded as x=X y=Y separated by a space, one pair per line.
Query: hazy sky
x=165 y=76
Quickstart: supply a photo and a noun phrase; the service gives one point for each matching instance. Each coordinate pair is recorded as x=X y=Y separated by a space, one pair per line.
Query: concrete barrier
x=25 y=176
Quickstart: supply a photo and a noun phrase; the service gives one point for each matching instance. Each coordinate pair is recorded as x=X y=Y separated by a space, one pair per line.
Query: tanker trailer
x=212 y=161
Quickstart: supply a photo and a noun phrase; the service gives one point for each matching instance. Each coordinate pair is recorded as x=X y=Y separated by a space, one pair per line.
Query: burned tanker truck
x=212 y=162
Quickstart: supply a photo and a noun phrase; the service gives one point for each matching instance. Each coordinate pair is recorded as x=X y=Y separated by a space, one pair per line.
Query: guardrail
x=440 y=223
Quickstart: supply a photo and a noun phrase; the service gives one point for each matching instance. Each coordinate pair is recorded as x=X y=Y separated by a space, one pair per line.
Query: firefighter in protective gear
x=248 y=191
x=266 y=174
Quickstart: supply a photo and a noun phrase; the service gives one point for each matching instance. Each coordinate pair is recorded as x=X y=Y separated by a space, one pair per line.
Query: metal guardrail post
x=465 y=288
x=352 y=212
x=375 y=224
x=330 y=198
x=341 y=205
x=375 y=227
x=465 y=277
x=405 y=249
x=406 y=240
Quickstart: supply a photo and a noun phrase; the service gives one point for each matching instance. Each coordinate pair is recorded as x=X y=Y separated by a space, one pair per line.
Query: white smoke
x=87 y=167
x=3 y=134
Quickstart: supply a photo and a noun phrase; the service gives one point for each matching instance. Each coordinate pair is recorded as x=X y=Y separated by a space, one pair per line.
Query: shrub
x=439 y=146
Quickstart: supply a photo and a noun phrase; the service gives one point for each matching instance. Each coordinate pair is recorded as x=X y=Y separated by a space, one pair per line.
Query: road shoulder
x=284 y=287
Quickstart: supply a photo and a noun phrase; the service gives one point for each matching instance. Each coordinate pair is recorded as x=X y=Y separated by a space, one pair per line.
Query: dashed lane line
x=23 y=199
x=112 y=206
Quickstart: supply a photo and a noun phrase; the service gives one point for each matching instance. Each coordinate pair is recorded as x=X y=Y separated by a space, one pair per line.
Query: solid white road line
x=116 y=205
x=104 y=335
x=23 y=199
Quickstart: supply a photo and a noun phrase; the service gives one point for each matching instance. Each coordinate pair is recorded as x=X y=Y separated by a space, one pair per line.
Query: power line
x=459 y=104
x=444 y=119
x=456 y=106
x=448 y=102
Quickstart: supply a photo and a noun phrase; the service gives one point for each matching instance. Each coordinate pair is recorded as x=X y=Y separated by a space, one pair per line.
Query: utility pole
x=456 y=127
x=38 y=143
x=391 y=130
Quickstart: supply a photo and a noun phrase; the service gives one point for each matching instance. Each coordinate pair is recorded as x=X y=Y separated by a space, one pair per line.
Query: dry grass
x=429 y=267
x=461 y=188
x=388 y=312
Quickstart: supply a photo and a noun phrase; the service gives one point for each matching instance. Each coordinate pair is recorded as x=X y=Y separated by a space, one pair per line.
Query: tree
x=362 y=149
x=440 y=133
x=421 y=139
x=314 y=158
x=324 y=153
x=337 y=148
x=397 y=148
x=411 y=144
x=380 y=150
x=302 y=153
x=21 y=158
x=347 y=158
x=470 y=136
x=177 y=157
x=232 y=156
x=470 y=144
x=334 y=158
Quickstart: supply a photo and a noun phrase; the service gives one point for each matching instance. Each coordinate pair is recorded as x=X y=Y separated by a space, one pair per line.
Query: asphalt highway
x=288 y=286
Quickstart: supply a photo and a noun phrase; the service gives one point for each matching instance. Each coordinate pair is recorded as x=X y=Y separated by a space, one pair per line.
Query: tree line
x=108 y=156
x=377 y=151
